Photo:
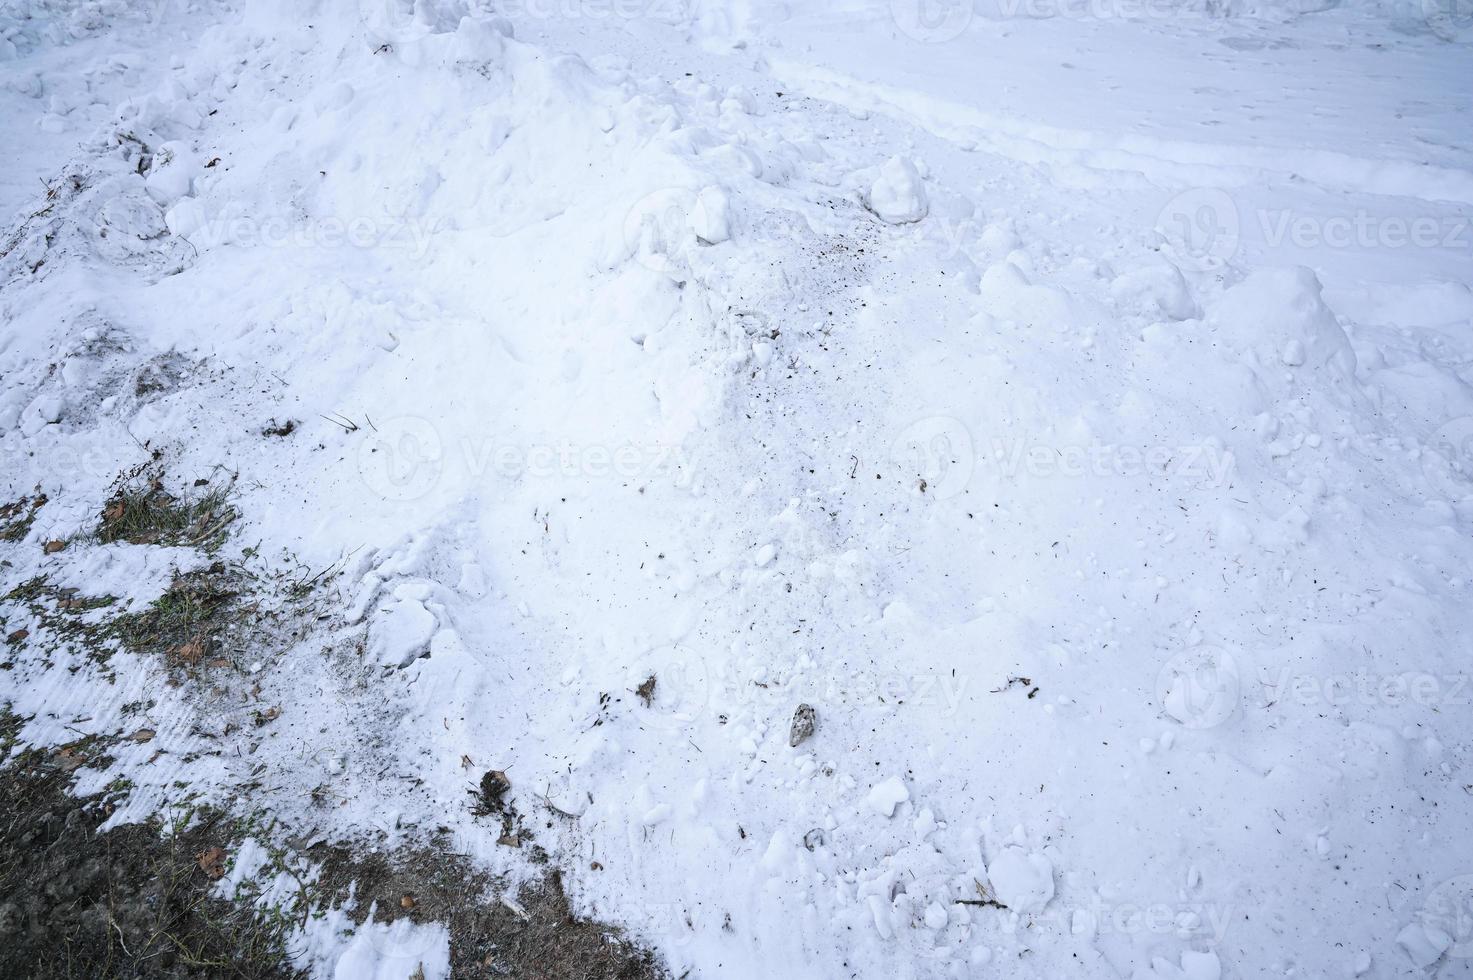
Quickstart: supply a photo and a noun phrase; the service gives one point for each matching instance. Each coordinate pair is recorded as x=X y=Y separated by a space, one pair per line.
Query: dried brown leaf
x=212 y=862
x=70 y=759
x=191 y=652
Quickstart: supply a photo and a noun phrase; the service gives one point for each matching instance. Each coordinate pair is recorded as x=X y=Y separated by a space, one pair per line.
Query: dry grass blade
x=143 y=512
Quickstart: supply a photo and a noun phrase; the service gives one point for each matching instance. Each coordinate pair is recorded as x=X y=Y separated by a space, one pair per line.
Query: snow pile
x=1277 y=318
x=937 y=22
x=28 y=24
x=639 y=408
x=1270 y=11
x=1021 y=880
x=897 y=195
x=394 y=951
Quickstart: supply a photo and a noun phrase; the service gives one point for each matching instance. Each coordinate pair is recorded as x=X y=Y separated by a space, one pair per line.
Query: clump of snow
x=400 y=632
x=898 y=195
x=1423 y=944
x=1194 y=965
x=1157 y=288
x=711 y=217
x=186 y=218
x=1022 y=880
x=885 y=796
x=480 y=40
x=175 y=168
x=395 y=950
x=1279 y=316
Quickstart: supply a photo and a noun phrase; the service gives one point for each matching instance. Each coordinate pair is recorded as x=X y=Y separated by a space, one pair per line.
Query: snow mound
x=898 y=196
x=886 y=796
x=1022 y=880
x=1194 y=966
x=1277 y=318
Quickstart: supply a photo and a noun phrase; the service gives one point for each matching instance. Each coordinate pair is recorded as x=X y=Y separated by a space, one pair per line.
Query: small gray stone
x=805 y=721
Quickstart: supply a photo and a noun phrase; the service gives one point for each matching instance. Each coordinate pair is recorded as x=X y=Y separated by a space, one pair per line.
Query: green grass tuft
x=143 y=512
x=186 y=620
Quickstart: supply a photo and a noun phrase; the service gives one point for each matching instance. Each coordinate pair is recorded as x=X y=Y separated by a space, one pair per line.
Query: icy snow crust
x=1122 y=553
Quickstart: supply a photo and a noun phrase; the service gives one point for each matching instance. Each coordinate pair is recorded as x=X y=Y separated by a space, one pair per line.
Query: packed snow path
x=1072 y=409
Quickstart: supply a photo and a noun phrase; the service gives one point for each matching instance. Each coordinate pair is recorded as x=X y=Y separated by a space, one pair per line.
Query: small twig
x=114 y=923
x=348 y=424
x=557 y=809
x=987 y=899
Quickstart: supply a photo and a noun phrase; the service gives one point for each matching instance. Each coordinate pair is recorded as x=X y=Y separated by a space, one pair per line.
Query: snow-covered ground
x=1070 y=400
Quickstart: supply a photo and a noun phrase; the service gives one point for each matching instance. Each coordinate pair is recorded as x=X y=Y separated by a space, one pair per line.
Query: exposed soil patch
x=185 y=623
x=17 y=517
x=132 y=902
x=162 y=375
x=533 y=936
x=136 y=901
x=139 y=901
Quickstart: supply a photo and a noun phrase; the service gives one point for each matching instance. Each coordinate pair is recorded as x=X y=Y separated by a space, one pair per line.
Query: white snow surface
x=1071 y=402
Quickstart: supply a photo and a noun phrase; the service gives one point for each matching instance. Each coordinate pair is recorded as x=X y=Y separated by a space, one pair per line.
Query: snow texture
x=1072 y=405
